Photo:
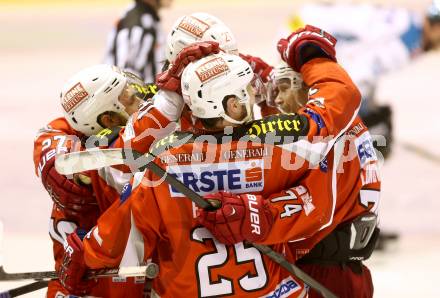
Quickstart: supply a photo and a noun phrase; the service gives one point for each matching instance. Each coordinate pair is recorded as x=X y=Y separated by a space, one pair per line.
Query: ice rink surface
x=42 y=44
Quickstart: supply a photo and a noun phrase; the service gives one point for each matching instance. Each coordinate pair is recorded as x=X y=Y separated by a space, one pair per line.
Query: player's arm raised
x=333 y=100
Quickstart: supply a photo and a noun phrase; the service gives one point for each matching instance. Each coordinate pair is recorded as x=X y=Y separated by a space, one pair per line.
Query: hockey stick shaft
x=150 y=271
x=81 y=161
x=421 y=152
x=35 y=286
x=198 y=200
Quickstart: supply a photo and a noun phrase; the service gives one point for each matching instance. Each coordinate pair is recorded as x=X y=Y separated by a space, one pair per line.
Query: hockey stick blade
x=76 y=162
x=151 y=270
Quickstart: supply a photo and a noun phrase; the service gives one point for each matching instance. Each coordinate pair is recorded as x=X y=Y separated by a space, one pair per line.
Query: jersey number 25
x=219 y=257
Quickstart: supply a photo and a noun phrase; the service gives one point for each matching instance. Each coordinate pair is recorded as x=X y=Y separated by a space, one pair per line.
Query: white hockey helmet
x=91 y=92
x=197 y=27
x=206 y=82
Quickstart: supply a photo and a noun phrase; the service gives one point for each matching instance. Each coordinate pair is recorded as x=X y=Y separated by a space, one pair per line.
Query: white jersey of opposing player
x=372 y=40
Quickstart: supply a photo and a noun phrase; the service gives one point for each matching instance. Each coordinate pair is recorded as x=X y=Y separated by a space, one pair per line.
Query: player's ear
x=231 y=105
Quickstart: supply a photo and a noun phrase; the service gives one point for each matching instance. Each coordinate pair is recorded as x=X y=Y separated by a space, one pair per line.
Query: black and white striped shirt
x=137 y=42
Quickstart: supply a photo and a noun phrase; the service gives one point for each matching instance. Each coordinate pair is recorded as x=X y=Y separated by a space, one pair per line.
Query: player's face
x=129 y=98
x=287 y=98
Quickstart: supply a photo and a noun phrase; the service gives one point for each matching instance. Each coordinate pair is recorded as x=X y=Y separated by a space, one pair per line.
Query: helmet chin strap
x=231 y=120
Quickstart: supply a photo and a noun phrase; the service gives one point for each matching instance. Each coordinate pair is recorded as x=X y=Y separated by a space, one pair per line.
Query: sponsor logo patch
x=316 y=117
x=129 y=132
x=73 y=97
x=237 y=177
x=245 y=153
x=279 y=126
x=193 y=26
x=211 y=69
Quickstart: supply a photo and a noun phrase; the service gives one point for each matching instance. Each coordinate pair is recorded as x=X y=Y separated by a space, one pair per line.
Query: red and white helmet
x=206 y=82
x=91 y=92
x=197 y=27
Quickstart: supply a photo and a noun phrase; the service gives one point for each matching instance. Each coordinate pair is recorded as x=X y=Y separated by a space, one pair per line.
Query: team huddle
x=303 y=178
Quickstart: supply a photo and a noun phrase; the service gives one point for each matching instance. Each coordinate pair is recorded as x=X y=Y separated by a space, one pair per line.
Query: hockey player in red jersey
x=95 y=98
x=357 y=188
x=107 y=183
x=216 y=89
